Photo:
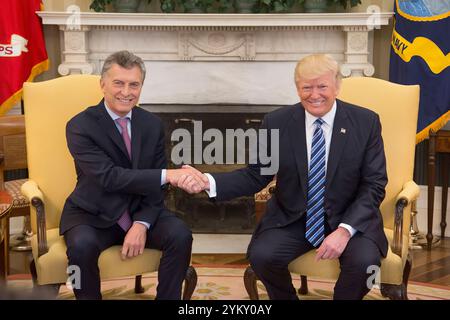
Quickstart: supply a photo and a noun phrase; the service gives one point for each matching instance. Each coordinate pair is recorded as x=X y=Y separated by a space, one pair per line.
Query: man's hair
x=316 y=65
x=126 y=60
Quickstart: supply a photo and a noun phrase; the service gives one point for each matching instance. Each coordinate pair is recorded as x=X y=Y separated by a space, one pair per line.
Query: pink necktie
x=125 y=220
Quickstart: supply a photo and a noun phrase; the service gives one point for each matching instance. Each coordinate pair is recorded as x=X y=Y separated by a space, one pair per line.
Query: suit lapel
x=108 y=126
x=136 y=137
x=341 y=130
x=298 y=142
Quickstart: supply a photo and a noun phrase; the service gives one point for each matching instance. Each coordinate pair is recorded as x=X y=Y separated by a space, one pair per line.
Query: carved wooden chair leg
x=250 y=283
x=190 y=282
x=406 y=272
x=398 y=292
x=33 y=272
x=303 y=285
x=138 y=288
x=392 y=291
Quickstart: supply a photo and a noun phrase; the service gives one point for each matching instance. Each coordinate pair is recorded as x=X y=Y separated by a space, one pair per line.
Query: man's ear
x=338 y=87
x=102 y=83
x=297 y=87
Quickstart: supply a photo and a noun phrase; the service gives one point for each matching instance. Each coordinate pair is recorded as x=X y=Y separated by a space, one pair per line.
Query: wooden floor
x=432 y=266
x=428 y=266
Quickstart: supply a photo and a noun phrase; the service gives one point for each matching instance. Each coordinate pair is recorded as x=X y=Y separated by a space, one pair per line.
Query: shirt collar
x=115 y=116
x=328 y=118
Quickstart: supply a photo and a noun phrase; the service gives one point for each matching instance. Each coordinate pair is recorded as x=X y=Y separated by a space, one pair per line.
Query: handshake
x=188 y=179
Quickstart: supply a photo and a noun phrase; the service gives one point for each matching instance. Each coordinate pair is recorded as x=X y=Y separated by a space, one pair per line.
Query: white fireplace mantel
x=232 y=57
x=221 y=20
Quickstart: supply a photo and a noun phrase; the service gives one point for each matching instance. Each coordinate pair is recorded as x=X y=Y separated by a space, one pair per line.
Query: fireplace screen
x=188 y=136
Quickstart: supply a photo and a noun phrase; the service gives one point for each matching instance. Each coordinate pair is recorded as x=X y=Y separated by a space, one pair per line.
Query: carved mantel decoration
x=226 y=45
x=250 y=47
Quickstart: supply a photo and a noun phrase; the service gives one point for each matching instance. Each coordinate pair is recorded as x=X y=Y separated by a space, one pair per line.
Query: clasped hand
x=188 y=179
x=333 y=245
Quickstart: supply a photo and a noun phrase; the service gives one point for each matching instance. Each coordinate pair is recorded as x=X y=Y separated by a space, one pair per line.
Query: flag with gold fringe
x=22 y=49
x=420 y=55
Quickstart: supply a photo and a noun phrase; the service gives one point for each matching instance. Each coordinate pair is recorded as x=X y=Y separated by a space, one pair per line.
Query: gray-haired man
x=120 y=162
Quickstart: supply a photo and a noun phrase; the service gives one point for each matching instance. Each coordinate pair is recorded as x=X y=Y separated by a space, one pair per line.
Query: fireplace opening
x=236 y=216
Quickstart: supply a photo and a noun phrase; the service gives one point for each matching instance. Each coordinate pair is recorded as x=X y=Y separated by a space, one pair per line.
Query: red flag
x=22 y=48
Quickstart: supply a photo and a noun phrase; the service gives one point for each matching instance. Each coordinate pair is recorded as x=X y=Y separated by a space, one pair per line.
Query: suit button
x=278 y=224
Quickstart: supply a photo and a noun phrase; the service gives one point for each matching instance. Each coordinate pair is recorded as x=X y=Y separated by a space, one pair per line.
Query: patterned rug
x=226 y=283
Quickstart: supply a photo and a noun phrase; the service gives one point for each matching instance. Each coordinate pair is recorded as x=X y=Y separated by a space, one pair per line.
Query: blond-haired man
x=330 y=184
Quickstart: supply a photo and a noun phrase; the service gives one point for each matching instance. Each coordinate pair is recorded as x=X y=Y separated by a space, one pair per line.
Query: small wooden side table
x=5 y=207
x=439 y=143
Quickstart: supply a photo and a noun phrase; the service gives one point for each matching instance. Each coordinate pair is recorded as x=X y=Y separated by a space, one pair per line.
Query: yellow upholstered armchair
x=397 y=106
x=48 y=107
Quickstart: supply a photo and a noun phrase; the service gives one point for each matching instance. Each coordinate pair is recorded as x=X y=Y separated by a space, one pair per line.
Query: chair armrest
x=31 y=191
x=409 y=193
x=261 y=199
x=266 y=193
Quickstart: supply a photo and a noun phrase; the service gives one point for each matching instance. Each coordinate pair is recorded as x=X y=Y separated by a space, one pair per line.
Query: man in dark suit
x=120 y=162
x=330 y=184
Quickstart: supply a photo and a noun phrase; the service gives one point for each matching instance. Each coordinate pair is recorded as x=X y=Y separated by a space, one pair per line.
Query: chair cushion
x=51 y=267
x=13 y=188
x=391 y=266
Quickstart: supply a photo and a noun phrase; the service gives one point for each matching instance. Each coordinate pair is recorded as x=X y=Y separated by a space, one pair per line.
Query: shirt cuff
x=146 y=224
x=212 y=186
x=349 y=228
x=163 y=176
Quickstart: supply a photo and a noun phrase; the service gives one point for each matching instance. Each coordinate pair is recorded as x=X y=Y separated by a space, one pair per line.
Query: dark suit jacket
x=355 y=180
x=107 y=181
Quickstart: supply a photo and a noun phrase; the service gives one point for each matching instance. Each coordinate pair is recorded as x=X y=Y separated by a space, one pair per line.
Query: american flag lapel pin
x=343 y=130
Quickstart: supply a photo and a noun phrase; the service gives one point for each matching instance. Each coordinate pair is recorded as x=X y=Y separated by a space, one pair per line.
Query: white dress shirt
x=327 y=128
x=128 y=115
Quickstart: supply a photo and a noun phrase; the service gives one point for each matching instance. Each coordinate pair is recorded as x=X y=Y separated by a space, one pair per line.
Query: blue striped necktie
x=315 y=213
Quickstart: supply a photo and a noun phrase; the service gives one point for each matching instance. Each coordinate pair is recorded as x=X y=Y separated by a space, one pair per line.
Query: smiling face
x=318 y=94
x=121 y=88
